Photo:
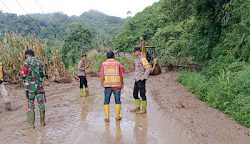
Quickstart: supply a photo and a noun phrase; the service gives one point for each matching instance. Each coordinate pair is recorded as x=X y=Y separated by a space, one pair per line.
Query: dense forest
x=57 y=25
x=67 y=34
x=213 y=33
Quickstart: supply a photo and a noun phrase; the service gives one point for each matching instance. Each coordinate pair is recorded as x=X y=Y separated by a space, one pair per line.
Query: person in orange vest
x=112 y=81
x=3 y=90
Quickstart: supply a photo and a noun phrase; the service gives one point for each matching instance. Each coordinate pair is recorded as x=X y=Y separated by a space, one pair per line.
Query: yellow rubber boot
x=106 y=111
x=118 y=112
x=87 y=91
x=81 y=92
x=143 y=108
x=137 y=106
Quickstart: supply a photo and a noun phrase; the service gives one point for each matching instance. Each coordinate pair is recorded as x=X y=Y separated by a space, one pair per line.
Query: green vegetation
x=58 y=25
x=104 y=27
x=214 y=33
x=95 y=60
x=229 y=91
x=71 y=36
x=146 y=22
x=78 y=42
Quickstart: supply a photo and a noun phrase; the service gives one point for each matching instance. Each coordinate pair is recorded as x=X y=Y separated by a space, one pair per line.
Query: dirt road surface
x=174 y=116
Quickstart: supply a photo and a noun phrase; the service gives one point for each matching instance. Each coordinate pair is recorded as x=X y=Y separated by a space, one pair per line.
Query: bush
x=96 y=59
x=195 y=82
x=228 y=90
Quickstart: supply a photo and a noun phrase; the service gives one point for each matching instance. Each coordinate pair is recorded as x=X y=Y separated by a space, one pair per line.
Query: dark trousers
x=108 y=92
x=140 y=86
x=83 y=81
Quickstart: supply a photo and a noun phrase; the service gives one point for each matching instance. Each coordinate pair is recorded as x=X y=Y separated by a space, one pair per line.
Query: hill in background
x=57 y=25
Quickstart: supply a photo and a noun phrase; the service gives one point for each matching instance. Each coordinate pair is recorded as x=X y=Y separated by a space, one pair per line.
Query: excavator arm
x=143 y=47
x=156 y=69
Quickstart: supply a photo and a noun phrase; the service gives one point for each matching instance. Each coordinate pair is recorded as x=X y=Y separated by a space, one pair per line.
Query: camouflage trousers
x=39 y=96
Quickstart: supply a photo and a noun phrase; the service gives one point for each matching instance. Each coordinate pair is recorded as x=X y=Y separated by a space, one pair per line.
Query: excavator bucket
x=153 y=60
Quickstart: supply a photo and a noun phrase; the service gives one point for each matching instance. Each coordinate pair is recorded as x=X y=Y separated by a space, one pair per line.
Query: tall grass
x=228 y=91
x=12 y=50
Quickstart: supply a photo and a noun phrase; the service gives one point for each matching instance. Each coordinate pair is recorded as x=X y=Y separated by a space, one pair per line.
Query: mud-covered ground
x=174 y=116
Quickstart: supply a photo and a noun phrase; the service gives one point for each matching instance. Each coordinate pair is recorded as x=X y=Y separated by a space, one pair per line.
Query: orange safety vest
x=112 y=75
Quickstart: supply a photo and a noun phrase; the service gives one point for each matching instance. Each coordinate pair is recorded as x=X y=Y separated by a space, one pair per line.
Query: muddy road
x=174 y=116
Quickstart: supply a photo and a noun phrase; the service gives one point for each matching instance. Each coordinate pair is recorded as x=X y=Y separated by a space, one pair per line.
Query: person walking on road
x=112 y=81
x=82 y=76
x=3 y=90
x=33 y=71
x=142 y=71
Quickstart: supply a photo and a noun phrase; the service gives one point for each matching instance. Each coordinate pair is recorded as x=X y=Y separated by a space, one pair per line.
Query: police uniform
x=83 y=78
x=142 y=71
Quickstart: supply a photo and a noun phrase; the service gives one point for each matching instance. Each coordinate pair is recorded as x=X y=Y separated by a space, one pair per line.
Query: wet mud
x=174 y=116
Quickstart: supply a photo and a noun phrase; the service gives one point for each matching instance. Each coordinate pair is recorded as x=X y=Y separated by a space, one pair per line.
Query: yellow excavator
x=150 y=54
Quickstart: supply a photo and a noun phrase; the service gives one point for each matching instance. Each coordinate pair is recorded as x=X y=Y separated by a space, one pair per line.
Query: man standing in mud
x=112 y=81
x=142 y=71
x=82 y=76
x=3 y=90
x=33 y=71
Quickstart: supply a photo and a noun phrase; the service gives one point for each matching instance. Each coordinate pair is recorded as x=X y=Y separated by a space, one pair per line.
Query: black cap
x=110 y=54
x=137 y=49
x=29 y=52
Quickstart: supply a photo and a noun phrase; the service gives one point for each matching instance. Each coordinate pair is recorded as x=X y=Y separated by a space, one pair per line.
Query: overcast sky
x=75 y=7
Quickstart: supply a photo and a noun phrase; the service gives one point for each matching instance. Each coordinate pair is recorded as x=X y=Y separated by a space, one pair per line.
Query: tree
x=78 y=42
x=57 y=25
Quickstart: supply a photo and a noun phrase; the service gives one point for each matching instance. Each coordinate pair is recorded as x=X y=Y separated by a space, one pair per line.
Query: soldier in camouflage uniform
x=32 y=72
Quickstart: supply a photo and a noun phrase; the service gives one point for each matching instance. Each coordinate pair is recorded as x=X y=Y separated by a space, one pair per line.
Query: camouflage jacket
x=33 y=70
